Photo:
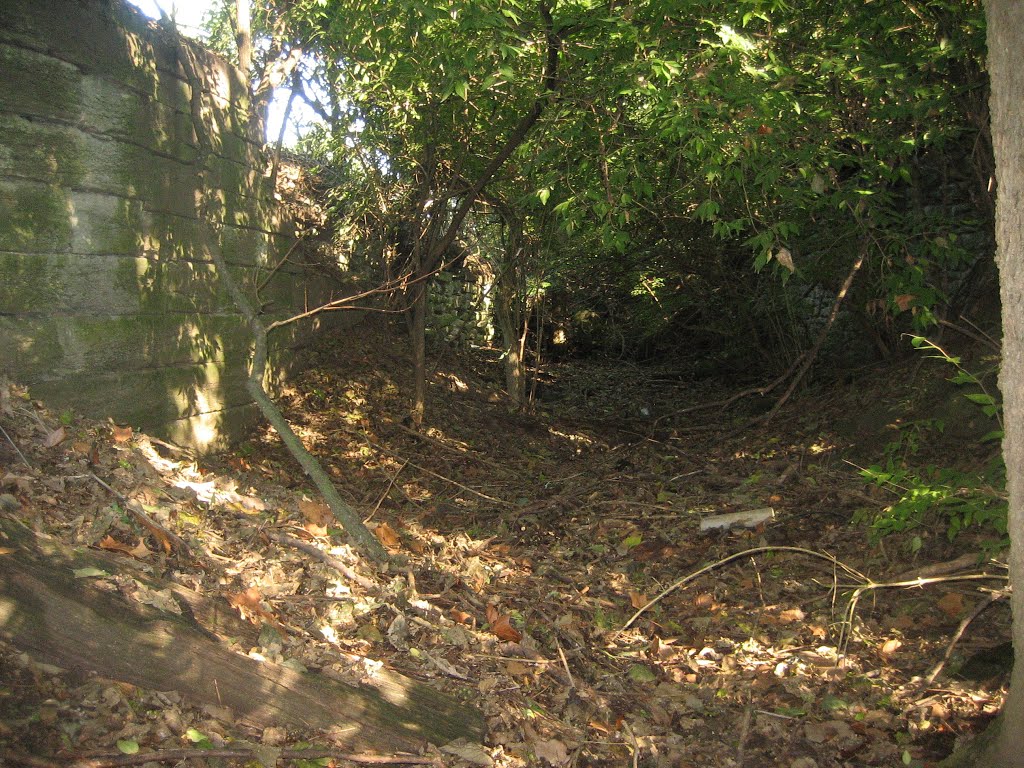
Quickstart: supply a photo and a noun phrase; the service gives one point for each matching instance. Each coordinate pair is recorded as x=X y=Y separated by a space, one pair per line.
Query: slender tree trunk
x=210 y=218
x=509 y=308
x=419 y=352
x=243 y=37
x=1006 y=72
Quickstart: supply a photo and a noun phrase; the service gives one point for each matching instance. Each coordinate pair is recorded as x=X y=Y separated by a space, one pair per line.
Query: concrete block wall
x=109 y=299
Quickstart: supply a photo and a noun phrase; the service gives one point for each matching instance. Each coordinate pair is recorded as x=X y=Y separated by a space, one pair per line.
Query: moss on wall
x=109 y=300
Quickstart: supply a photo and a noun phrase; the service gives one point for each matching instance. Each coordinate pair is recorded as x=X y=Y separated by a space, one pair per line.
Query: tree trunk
x=64 y=621
x=243 y=37
x=419 y=352
x=1006 y=72
x=210 y=217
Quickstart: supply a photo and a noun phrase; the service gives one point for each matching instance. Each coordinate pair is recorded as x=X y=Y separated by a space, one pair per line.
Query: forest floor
x=541 y=543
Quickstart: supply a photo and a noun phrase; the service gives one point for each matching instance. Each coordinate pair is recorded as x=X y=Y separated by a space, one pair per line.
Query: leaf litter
x=523 y=544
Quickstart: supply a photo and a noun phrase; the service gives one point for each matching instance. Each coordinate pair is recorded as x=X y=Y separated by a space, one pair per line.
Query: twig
x=453 y=449
x=135 y=509
x=979 y=609
x=15 y=447
x=325 y=558
x=745 y=553
x=851 y=607
x=388 y=451
x=635 y=746
x=812 y=354
x=744 y=733
x=391 y=483
x=565 y=663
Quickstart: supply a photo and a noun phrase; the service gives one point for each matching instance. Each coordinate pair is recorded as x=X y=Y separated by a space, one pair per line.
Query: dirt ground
x=559 y=559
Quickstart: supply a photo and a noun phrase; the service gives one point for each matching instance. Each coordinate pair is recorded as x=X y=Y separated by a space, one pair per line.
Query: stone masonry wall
x=109 y=300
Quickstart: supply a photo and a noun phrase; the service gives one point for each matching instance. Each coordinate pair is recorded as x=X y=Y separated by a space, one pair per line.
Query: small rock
x=8 y=503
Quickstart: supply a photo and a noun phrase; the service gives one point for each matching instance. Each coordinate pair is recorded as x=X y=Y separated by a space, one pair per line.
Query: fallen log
x=60 y=620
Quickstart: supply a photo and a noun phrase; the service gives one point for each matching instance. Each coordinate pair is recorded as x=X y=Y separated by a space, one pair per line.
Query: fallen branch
x=177 y=755
x=726 y=560
x=161 y=534
x=325 y=558
x=851 y=606
x=961 y=628
x=361 y=536
x=14 y=445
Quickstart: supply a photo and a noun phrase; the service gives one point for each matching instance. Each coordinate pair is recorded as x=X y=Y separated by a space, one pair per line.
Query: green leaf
x=543 y=195
x=981 y=398
x=198 y=738
x=462 y=90
x=89 y=573
x=641 y=673
x=128 y=746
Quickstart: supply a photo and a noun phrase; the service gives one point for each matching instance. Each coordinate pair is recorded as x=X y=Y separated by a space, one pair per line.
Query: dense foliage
x=700 y=178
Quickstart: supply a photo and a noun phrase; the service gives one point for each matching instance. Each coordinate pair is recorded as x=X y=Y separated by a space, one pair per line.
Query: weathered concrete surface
x=109 y=299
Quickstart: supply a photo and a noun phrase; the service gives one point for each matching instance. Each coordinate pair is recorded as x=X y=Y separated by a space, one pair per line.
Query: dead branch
x=178 y=755
x=961 y=628
x=365 y=541
x=726 y=560
x=325 y=558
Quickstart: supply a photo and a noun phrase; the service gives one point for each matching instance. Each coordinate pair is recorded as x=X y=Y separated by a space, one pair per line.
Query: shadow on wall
x=109 y=300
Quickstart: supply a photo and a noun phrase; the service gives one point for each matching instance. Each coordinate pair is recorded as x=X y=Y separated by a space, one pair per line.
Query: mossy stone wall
x=109 y=299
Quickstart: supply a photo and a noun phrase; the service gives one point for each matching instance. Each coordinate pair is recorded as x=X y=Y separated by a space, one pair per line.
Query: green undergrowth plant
x=932 y=495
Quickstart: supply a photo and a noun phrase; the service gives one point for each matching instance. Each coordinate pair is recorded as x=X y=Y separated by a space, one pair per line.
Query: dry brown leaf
x=140 y=551
x=791 y=615
x=461 y=616
x=503 y=630
x=904 y=300
x=417 y=546
x=637 y=599
x=889 y=647
x=551 y=750
x=55 y=437
x=388 y=536
x=248 y=605
x=121 y=434
x=315 y=512
x=703 y=601
x=6 y=550
x=518 y=669
x=951 y=604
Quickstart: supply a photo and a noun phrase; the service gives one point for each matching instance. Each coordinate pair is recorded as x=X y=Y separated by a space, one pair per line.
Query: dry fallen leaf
x=388 y=537
x=551 y=750
x=501 y=626
x=951 y=604
x=637 y=599
x=315 y=512
x=121 y=434
x=889 y=647
x=793 y=614
x=461 y=616
x=247 y=604
x=55 y=437
x=140 y=551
